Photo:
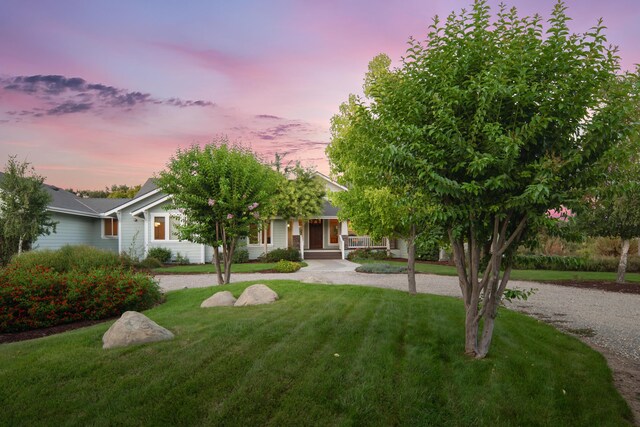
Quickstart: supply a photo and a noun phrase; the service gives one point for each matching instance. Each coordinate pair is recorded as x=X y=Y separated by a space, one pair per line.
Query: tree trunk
x=622 y=266
x=388 y=247
x=20 y=245
x=216 y=262
x=411 y=260
x=228 y=261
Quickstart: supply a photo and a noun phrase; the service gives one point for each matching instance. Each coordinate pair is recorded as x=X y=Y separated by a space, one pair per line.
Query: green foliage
x=181 y=259
x=161 y=254
x=77 y=258
x=571 y=263
x=150 y=263
x=427 y=247
x=301 y=197
x=23 y=209
x=290 y=254
x=381 y=268
x=123 y=191
x=221 y=190
x=284 y=266
x=240 y=256
x=366 y=254
x=497 y=121
x=510 y=295
x=35 y=296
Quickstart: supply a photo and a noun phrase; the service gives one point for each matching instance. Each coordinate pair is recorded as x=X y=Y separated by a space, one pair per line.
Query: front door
x=315 y=234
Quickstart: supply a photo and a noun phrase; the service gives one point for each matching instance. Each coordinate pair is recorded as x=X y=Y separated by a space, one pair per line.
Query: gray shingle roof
x=148 y=186
x=62 y=199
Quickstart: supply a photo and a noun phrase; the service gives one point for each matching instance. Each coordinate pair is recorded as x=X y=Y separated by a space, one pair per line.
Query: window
x=257 y=234
x=110 y=227
x=159 y=228
x=165 y=227
x=334 y=231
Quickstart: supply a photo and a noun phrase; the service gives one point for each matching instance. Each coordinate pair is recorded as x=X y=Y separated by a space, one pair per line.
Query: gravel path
x=607 y=319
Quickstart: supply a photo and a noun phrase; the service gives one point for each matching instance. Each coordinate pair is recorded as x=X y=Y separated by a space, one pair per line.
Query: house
x=136 y=225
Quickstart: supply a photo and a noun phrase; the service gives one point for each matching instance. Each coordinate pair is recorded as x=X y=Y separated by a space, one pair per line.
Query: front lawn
x=321 y=355
x=531 y=275
x=251 y=267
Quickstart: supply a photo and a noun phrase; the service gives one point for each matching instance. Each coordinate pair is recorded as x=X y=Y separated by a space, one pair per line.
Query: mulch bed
x=45 y=332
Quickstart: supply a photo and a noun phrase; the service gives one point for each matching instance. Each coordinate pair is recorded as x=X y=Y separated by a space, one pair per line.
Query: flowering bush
x=37 y=296
x=284 y=266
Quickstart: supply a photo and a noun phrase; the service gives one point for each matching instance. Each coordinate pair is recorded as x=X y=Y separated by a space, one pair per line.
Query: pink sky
x=138 y=82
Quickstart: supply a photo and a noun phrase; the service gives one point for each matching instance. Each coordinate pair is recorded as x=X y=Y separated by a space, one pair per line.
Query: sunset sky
x=95 y=93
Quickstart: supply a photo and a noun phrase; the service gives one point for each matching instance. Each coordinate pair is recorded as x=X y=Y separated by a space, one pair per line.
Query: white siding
x=191 y=250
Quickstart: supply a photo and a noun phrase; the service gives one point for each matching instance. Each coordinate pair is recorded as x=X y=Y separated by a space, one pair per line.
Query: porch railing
x=361 y=242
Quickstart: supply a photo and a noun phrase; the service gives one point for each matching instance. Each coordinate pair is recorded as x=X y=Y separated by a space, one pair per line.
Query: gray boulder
x=134 y=328
x=219 y=299
x=256 y=295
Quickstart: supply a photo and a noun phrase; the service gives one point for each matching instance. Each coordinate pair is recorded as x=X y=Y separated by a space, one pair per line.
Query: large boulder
x=219 y=299
x=255 y=295
x=134 y=328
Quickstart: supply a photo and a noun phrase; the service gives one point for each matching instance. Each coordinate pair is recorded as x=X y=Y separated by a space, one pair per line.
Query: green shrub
x=68 y=258
x=181 y=259
x=161 y=254
x=567 y=263
x=381 y=269
x=284 y=266
x=150 y=263
x=240 y=256
x=367 y=254
x=276 y=255
x=37 y=296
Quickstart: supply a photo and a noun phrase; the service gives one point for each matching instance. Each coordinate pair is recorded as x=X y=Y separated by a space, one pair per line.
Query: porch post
x=119 y=216
x=296 y=241
x=146 y=233
x=344 y=232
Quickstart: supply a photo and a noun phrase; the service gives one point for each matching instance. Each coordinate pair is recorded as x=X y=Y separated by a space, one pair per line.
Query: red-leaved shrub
x=37 y=297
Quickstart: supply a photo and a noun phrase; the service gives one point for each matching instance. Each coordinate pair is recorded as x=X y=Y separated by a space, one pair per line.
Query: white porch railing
x=359 y=242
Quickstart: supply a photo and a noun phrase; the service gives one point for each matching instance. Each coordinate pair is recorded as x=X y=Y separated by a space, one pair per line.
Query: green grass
x=533 y=275
x=400 y=362
x=251 y=267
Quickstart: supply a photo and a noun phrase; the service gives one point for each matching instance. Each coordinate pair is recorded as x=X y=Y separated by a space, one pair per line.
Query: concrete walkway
x=328 y=266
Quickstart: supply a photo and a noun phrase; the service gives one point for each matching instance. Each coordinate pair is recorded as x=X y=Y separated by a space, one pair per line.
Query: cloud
x=68 y=95
x=279 y=131
x=267 y=116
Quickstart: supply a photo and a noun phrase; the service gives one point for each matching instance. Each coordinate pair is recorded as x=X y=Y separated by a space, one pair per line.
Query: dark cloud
x=279 y=131
x=64 y=95
x=268 y=116
x=69 y=108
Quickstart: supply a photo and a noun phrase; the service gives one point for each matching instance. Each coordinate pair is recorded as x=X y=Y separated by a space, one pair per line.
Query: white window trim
x=104 y=236
x=256 y=245
x=167 y=233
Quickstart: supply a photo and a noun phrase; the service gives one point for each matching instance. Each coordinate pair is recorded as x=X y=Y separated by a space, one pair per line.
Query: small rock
x=134 y=328
x=255 y=295
x=219 y=299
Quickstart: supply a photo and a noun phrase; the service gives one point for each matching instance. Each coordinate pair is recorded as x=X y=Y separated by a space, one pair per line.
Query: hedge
x=38 y=296
x=572 y=263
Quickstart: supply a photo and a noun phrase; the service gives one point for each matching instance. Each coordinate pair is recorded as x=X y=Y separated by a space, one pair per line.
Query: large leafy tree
x=612 y=207
x=220 y=190
x=498 y=121
x=23 y=208
x=379 y=201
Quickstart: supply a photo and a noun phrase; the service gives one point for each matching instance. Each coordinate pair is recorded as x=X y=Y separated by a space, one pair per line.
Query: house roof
x=147 y=187
x=328 y=209
x=67 y=202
